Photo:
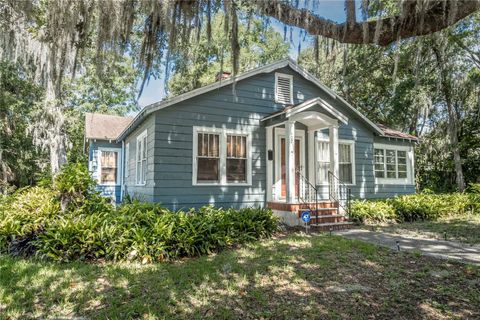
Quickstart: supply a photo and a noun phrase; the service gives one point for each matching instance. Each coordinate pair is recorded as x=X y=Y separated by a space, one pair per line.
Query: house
x=275 y=136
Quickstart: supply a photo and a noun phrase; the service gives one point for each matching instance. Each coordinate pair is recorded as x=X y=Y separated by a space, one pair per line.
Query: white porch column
x=269 y=133
x=333 y=134
x=290 y=160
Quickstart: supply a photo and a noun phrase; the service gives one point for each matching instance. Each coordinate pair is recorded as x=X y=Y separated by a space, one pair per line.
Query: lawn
x=462 y=228
x=290 y=276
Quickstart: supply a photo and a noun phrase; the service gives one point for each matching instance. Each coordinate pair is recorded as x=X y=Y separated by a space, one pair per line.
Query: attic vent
x=283 y=88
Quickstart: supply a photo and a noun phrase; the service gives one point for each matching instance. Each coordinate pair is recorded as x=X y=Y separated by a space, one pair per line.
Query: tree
x=199 y=66
x=20 y=161
x=52 y=35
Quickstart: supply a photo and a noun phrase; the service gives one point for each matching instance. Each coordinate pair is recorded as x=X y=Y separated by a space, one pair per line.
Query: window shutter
x=283 y=90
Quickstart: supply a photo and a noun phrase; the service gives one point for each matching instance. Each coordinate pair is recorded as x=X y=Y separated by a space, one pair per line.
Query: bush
x=367 y=212
x=26 y=212
x=148 y=233
x=414 y=207
x=70 y=221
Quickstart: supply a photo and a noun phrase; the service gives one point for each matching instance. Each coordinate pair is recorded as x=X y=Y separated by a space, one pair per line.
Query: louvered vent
x=283 y=90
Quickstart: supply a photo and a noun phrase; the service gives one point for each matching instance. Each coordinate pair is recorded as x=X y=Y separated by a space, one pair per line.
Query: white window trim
x=409 y=180
x=139 y=138
x=222 y=132
x=99 y=165
x=127 y=160
x=352 y=159
x=283 y=75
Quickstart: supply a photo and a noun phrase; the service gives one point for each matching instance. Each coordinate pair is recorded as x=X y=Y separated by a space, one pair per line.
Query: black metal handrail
x=306 y=188
x=339 y=191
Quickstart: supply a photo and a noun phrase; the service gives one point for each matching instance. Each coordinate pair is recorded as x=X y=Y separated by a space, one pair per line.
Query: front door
x=283 y=167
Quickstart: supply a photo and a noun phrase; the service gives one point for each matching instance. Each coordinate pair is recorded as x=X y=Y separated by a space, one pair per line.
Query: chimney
x=222 y=75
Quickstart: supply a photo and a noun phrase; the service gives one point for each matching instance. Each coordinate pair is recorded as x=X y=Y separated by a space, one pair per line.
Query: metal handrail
x=335 y=185
x=306 y=194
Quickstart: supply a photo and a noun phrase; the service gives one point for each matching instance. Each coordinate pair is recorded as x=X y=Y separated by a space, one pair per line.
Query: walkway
x=433 y=247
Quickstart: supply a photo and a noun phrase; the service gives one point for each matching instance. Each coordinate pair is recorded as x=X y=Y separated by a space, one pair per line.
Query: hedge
x=414 y=207
x=69 y=221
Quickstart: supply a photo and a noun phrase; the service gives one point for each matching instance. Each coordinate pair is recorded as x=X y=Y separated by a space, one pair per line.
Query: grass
x=292 y=276
x=464 y=228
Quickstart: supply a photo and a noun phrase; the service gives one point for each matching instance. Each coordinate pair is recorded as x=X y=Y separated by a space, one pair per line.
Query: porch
x=303 y=164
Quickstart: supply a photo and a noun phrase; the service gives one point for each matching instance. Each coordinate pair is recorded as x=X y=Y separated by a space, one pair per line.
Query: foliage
x=199 y=64
x=19 y=159
x=378 y=211
x=71 y=221
x=415 y=207
x=150 y=233
x=26 y=211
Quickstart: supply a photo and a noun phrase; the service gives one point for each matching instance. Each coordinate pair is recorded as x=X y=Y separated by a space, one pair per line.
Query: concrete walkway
x=433 y=247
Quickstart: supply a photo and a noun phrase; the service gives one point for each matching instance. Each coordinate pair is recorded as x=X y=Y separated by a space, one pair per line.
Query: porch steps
x=327 y=219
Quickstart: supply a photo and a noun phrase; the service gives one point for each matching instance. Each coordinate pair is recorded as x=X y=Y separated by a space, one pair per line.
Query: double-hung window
x=141 y=159
x=392 y=164
x=346 y=170
x=221 y=156
x=236 y=158
x=208 y=157
x=108 y=167
x=323 y=161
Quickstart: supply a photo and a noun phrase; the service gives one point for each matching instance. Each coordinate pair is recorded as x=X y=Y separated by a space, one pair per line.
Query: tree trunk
x=452 y=117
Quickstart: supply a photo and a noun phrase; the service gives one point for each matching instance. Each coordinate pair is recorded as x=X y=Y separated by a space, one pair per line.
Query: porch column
x=334 y=149
x=290 y=160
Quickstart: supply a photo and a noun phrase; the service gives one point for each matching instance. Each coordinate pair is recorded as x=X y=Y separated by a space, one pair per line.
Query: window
x=108 y=167
x=323 y=161
x=379 y=164
x=345 y=164
x=208 y=157
x=391 y=164
x=283 y=88
x=236 y=158
x=220 y=156
x=127 y=160
x=141 y=158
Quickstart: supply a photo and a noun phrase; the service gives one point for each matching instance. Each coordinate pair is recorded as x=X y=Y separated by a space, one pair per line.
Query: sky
x=329 y=9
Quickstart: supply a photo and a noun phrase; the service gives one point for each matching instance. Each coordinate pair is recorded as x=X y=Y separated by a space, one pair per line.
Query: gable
x=305 y=86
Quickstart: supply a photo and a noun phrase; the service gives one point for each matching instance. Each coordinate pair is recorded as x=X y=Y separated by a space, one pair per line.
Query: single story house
x=272 y=137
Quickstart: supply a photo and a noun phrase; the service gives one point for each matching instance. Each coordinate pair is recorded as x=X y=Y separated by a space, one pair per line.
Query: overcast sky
x=330 y=9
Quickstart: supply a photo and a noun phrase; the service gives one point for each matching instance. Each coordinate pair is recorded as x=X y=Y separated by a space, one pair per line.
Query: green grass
x=464 y=228
x=294 y=276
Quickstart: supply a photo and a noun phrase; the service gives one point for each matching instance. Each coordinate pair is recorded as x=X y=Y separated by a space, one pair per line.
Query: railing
x=307 y=193
x=339 y=192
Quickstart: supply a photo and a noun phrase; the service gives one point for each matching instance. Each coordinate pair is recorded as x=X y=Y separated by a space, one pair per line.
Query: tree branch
x=435 y=16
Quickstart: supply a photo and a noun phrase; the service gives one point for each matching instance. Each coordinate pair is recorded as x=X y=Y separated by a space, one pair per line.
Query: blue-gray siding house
x=273 y=136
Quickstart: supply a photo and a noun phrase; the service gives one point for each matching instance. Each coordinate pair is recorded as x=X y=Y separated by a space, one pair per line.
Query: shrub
x=74 y=185
x=422 y=206
x=378 y=211
x=148 y=232
x=26 y=212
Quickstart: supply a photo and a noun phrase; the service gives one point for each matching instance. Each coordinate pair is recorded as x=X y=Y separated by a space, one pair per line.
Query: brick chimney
x=223 y=75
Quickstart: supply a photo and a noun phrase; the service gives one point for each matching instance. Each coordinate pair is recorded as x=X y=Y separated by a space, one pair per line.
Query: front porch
x=303 y=162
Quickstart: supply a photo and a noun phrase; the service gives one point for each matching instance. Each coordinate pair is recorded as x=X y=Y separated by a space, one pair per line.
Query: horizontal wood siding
x=141 y=192
x=170 y=141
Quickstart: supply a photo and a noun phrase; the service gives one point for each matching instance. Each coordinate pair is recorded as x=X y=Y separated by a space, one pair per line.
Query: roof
x=104 y=126
x=219 y=84
x=389 y=132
